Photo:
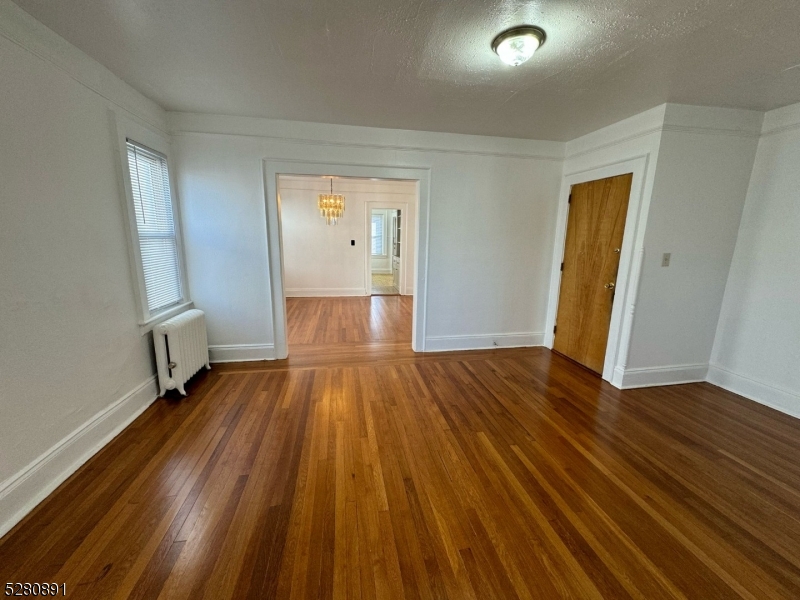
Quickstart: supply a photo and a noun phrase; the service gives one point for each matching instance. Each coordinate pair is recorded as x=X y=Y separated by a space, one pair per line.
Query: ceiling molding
x=781 y=120
x=19 y=28
x=615 y=138
x=376 y=146
x=781 y=129
x=615 y=142
x=711 y=131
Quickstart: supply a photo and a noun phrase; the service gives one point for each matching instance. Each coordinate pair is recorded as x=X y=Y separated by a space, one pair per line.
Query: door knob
x=610 y=286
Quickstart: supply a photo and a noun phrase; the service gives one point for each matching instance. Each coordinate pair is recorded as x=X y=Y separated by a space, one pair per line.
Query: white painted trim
x=22 y=29
x=668 y=117
x=20 y=493
x=639 y=125
x=323 y=292
x=126 y=129
x=350 y=136
x=222 y=353
x=369 y=206
x=710 y=131
x=780 y=399
x=382 y=187
x=148 y=326
x=781 y=120
x=483 y=342
x=651 y=377
x=630 y=258
x=275 y=167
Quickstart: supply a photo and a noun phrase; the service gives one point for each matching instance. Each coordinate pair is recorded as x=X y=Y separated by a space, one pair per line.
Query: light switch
x=665 y=259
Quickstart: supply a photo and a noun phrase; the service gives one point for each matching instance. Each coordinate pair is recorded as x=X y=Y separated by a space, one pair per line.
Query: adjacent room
x=332 y=265
x=400 y=299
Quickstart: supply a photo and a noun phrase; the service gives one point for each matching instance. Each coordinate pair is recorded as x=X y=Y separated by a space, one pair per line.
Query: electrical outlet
x=665 y=259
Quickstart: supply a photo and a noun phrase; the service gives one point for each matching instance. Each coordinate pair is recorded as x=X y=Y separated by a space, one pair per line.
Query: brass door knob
x=610 y=286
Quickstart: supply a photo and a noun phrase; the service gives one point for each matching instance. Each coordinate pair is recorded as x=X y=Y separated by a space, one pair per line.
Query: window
x=378 y=227
x=155 y=225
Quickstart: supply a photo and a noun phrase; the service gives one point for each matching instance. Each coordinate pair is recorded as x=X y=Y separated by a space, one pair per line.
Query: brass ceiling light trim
x=516 y=45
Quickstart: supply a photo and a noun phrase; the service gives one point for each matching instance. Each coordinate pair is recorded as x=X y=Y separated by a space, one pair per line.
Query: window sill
x=147 y=326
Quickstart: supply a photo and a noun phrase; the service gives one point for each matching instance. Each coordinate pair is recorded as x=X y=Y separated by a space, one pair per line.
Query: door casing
x=595 y=225
x=631 y=259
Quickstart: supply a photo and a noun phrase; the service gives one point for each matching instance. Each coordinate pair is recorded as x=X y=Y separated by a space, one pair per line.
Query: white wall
x=318 y=258
x=73 y=366
x=757 y=348
x=704 y=163
x=698 y=163
x=493 y=205
x=625 y=146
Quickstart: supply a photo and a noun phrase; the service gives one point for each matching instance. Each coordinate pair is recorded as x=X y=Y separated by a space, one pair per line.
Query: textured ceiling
x=427 y=64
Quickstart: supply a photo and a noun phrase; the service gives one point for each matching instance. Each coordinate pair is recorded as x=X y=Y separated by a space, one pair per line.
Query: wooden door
x=595 y=226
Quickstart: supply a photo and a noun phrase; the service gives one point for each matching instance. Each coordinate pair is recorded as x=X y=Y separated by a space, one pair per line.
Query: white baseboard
x=241 y=352
x=482 y=342
x=323 y=292
x=778 y=398
x=654 y=376
x=20 y=493
x=382 y=271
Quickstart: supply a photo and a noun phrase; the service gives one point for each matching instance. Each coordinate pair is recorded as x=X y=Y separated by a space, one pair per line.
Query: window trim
x=127 y=129
x=383 y=215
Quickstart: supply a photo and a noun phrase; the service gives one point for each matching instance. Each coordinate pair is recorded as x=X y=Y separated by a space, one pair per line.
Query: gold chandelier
x=331 y=206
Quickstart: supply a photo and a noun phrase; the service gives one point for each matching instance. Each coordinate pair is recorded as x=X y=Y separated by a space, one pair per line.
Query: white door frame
x=630 y=263
x=387 y=204
x=274 y=167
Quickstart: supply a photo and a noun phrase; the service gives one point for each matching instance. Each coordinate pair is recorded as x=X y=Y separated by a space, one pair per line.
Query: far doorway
x=595 y=227
x=385 y=251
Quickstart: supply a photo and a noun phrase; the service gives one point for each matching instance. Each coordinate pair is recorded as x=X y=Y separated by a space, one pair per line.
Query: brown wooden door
x=591 y=259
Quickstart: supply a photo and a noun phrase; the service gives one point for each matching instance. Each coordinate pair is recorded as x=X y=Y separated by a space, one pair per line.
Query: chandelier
x=331 y=206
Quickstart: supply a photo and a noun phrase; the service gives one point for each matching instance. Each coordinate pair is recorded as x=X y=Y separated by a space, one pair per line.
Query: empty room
x=400 y=299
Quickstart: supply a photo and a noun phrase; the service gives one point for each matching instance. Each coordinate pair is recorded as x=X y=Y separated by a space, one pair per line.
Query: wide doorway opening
x=347 y=245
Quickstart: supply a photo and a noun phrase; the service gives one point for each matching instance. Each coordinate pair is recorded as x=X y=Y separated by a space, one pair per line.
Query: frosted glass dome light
x=516 y=45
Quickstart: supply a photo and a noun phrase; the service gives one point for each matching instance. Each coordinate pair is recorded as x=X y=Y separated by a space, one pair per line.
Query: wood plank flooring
x=358 y=469
x=349 y=319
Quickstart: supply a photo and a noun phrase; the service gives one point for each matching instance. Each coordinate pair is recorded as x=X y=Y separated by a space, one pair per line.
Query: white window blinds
x=156 y=226
x=377 y=235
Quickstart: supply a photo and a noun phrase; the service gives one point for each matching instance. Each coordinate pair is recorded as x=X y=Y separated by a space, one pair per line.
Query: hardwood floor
x=358 y=469
x=349 y=319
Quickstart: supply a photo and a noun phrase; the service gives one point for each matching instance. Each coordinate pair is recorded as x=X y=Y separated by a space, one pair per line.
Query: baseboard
x=20 y=493
x=241 y=352
x=654 y=376
x=482 y=342
x=323 y=292
x=382 y=271
x=780 y=399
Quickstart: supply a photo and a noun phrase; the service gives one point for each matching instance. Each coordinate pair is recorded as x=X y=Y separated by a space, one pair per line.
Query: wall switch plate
x=665 y=259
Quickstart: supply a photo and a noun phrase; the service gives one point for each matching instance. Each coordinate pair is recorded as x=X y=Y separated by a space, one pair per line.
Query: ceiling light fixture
x=331 y=206
x=516 y=45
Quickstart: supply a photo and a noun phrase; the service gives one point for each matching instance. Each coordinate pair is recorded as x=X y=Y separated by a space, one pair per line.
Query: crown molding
x=366 y=138
x=674 y=118
x=711 y=131
x=781 y=120
x=21 y=29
